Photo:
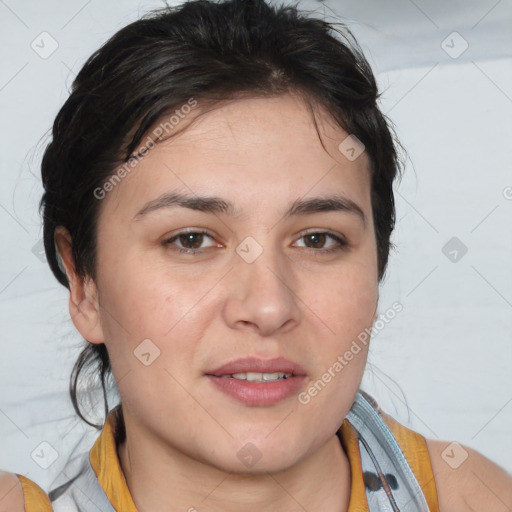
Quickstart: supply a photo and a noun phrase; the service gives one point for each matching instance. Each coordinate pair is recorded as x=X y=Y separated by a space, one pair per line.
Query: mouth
x=257 y=377
x=258 y=382
x=249 y=368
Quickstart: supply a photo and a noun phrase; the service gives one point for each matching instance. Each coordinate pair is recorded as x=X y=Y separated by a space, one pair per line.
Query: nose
x=261 y=296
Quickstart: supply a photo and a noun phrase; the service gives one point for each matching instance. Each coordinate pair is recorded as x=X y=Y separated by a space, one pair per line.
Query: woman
x=218 y=200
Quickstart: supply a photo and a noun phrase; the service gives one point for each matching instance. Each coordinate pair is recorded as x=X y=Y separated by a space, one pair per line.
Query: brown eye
x=190 y=241
x=322 y=242
x=317 y=240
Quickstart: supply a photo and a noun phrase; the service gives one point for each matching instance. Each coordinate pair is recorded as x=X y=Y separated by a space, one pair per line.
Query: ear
x=84 y=306
x=376 y=314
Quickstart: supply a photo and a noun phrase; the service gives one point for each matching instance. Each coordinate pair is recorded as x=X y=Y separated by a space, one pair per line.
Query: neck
x=161 y=478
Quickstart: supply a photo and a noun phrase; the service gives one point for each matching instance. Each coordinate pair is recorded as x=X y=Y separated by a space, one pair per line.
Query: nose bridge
x=260 y=293
x=261 y=267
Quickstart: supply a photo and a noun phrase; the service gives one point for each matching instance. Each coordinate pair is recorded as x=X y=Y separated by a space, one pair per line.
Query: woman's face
x=269 y=280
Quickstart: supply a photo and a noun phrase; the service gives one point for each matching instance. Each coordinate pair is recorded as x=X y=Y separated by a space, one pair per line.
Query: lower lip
x=258 y=393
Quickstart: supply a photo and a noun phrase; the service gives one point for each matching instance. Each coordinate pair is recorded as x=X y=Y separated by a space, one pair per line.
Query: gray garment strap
x=83 y=493
x=390 y=483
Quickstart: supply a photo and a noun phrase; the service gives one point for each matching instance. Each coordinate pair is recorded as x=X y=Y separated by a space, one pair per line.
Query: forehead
x=254 y=148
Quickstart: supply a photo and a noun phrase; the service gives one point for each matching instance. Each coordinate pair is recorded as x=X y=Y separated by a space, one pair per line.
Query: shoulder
x=467 y=481
x=12 y=498
x=19 y=494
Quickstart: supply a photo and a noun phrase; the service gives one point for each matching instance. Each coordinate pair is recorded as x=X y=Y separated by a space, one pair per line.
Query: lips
x=257 y=365
x=255 y=392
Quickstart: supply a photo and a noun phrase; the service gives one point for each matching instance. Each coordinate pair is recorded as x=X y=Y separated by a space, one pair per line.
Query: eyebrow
x=217 y=205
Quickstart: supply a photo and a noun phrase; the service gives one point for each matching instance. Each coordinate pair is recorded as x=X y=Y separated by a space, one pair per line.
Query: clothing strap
x=390 y=483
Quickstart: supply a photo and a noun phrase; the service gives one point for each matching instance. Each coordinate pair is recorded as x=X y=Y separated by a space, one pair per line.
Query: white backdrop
x=446 y=76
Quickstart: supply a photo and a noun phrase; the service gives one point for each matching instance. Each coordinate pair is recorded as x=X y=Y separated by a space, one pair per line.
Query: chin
x=261 y=467
x=257 y=457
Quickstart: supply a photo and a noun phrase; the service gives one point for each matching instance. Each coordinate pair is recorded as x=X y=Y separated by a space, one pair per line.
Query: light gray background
x=448 y=353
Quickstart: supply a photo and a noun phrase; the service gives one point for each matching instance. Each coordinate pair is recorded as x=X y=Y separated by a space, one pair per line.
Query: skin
x=477 y=484
x=203 y=310
x=302 y=303
x=11 y=493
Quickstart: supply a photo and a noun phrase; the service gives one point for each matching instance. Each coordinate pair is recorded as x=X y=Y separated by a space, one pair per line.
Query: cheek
x=345 y=300
x=152 y=323
x=141 y=302
x=144 y=298
x=346 y=304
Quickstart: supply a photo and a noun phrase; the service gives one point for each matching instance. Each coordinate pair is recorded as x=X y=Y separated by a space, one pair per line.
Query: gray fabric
x=82 y=494
x=389 y=481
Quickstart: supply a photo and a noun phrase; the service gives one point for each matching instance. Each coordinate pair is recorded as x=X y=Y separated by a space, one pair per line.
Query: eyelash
x=341 y=245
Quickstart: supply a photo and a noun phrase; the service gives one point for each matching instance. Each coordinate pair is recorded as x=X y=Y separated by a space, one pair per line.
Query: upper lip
x=257 y=365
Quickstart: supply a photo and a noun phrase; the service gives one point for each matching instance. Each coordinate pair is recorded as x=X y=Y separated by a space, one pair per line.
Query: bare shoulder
x=467 y=481
x=11 y=493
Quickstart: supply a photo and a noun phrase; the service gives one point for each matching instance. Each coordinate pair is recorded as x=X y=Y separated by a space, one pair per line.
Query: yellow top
x=36 y=499
x=105 y=463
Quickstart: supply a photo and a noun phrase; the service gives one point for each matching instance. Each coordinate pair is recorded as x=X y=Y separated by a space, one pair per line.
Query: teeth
x=260 y=377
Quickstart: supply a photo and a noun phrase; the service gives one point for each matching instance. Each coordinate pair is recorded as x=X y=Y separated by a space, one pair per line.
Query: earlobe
x=84 y=305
